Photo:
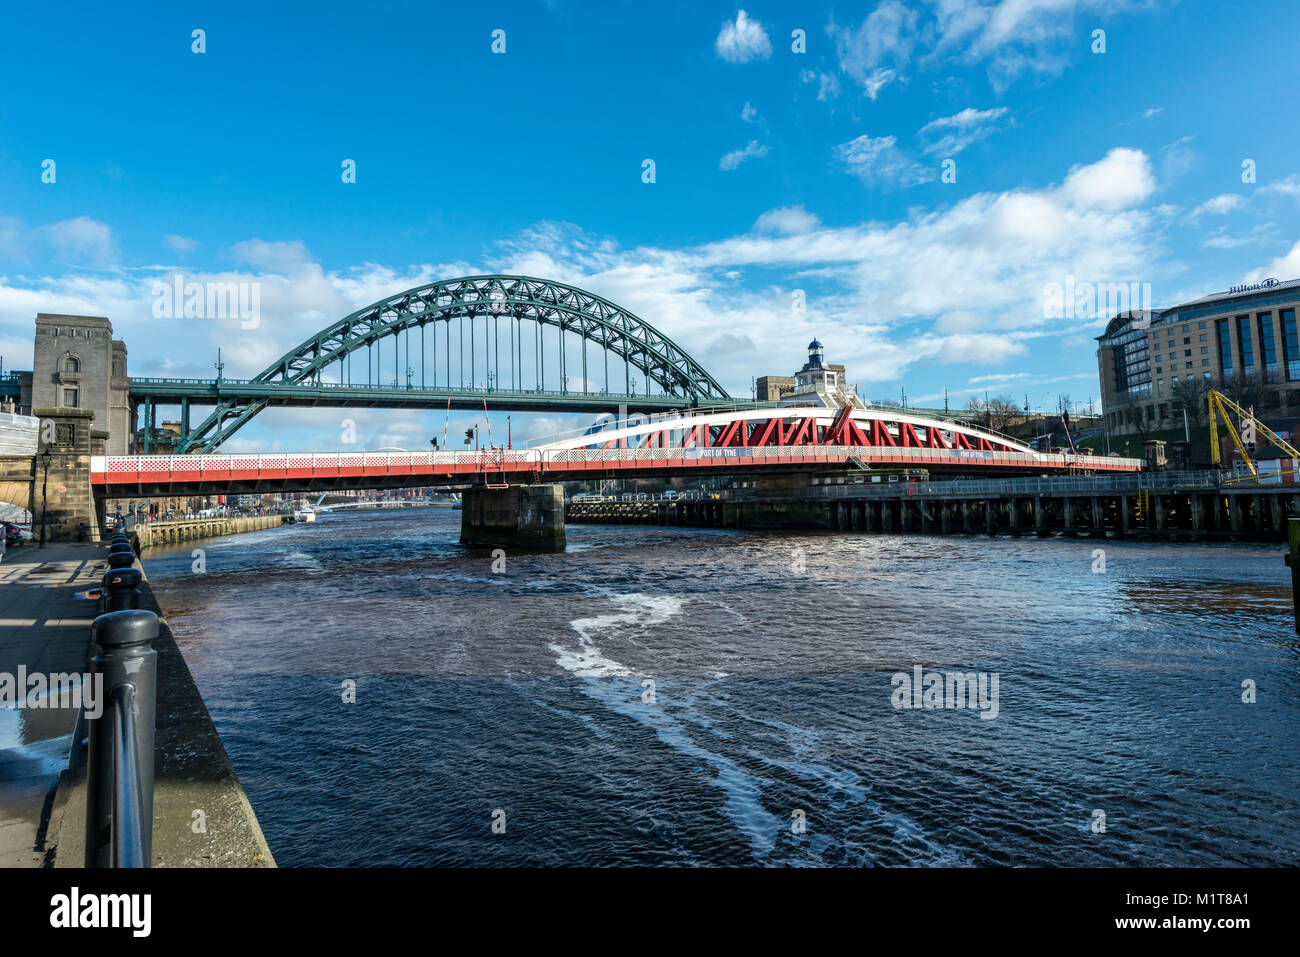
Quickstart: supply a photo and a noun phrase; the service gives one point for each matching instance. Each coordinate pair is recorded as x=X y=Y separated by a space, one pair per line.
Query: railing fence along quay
x=120 y=740
x=1084 y=485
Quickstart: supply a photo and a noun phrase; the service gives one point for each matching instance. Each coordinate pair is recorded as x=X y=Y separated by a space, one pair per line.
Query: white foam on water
x=636 y=611
x=741 y=790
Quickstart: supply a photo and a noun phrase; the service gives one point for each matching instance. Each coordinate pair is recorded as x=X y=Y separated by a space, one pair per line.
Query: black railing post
x=121 y=589
x=119 y=777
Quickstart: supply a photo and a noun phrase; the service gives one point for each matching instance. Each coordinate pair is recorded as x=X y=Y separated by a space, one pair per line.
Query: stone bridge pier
x=63 y=493
x=518 y=516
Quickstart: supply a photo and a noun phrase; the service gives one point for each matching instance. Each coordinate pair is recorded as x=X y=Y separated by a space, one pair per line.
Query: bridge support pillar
x=1013 y=515
x=1098 y=515
x=1125 y=515
x=1197 y=508
x=1040 y=516
x=71 y=508
x=887 y=516
x=522 y=516
x=904 y=515
x=1158 y=506
x=967 y=518
x=945 y=518
x=991 y=516
x=1067 y=507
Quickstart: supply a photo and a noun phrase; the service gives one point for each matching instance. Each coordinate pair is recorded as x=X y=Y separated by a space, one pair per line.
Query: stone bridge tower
x=78 y=364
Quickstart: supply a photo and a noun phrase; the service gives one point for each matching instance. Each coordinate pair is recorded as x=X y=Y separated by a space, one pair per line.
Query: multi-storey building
x=1246 y=336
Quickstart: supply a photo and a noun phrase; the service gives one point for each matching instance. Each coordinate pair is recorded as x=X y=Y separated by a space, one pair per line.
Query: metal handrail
x=128 y=843
x=120 y=740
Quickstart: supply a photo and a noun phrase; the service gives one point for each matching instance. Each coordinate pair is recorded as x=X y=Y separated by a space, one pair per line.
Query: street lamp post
x=45 y=490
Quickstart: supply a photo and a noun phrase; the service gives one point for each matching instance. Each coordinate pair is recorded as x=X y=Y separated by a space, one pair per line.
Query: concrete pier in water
x=518 y=516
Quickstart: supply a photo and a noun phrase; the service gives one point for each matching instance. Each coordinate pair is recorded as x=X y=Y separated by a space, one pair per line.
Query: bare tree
x=1246 y=389
x=1189 y=395
x=1000 y=413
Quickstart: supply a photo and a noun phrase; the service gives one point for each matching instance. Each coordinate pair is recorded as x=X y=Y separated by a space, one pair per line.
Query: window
x=1158 y=369
x=1200 y=325
x=1185 y=328
x=1187 y=340
x=1189 y=365
x=1159 y=359
x=1204 y=337
x=71 y=364
x=1247 y=351
x=1225 y=347
x=70 y=398
x=1205 y=350
x=1267 y=351
x=1205 y=362
x=1290 y=348
x=1186 y=353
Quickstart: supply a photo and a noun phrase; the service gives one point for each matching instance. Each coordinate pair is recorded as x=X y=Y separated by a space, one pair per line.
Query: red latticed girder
x=736 y=434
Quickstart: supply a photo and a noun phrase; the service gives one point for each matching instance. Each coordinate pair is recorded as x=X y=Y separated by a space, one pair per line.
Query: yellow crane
x=1244 y=434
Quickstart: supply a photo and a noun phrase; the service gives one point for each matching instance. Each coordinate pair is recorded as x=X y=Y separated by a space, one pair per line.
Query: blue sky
x=775 y=171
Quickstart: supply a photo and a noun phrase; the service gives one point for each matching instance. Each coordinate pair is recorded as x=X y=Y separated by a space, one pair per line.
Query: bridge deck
x=237 y=474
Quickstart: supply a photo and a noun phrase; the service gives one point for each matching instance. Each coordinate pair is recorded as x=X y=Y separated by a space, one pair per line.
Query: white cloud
x=278 y=256
x=960 y=130
x=1152 y=112
x=876 y=160
x=1122 y=179
x=828 y=85
x=81 y=241
x=736 y=157
x=743 y=40
x=978 y=347
x=874 y=53
x=180 y=244
x=1284 y=267
x=1017 y=37
x=748 y=113
x=1287 y=187
x=1219 y=205
x=786 y=219
x=1223 y=239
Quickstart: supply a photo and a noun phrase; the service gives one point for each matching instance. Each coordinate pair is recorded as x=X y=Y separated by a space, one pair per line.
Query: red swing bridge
x=695 y=442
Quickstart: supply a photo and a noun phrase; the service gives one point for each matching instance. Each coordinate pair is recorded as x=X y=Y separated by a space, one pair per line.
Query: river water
x=717 y=697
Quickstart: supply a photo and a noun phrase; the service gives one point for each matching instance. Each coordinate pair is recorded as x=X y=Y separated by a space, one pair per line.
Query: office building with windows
x=1243 y=340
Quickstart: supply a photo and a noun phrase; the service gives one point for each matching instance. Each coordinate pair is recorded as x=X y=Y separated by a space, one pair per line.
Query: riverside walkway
x=44 y=628
x=45 y=620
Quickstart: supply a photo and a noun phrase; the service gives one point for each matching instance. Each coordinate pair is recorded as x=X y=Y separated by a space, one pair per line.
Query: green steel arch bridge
x=518 y=342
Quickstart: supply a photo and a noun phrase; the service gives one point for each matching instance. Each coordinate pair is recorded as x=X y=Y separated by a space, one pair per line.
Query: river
x=675 y=696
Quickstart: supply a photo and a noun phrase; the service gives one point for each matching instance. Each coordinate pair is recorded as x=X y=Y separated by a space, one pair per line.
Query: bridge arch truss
x=499 y=311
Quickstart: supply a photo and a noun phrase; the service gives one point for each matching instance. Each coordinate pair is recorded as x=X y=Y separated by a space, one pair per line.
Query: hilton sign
x=1266 y=284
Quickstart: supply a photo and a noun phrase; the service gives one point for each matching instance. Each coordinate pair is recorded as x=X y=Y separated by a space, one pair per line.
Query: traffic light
x=469 y=436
